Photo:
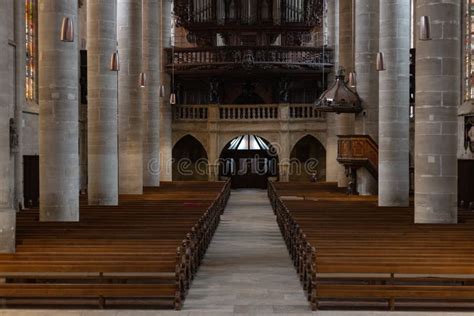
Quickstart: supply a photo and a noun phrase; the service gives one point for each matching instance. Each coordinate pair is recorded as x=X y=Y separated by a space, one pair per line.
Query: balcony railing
x=304 y=112
x=190 y=112
x=248 y=112
x=258 y=112
x=247 y=58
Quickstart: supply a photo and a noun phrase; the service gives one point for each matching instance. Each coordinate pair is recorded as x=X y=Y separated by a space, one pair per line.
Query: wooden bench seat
x=141 y=253
x=350 y=252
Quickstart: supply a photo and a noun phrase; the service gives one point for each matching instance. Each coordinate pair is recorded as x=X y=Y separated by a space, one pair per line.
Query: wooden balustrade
x=268 y=55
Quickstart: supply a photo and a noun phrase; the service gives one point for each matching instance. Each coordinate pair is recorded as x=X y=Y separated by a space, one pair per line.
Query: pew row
x=143 y=253
x=351 y=254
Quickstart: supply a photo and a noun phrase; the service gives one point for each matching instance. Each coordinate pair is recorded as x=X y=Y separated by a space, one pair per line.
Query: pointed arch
x=307 y=157
x=190 y=160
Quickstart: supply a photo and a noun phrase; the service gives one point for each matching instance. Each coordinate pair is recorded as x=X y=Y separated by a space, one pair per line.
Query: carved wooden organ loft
x=249 y=51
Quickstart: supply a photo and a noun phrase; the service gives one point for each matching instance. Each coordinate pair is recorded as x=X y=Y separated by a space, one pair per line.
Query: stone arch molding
x=295 y=138
x=202 y=140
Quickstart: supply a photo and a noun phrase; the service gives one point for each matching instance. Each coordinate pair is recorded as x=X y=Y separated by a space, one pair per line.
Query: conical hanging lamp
x=380 y=62
x=339 y=98
x=115 y=62
x=162 y=91
x=142 y=80
x=173 y=98
x=67 y=30
x=425 y=28
x=352 y=79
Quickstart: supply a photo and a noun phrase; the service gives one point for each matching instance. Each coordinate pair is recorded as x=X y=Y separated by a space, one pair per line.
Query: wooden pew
x=142 y=253
x=350 y=253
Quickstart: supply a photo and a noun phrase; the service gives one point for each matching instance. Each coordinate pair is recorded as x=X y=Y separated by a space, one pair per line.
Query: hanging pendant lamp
x=352 y=79
x=380 y=62
x=67 y=30
x=142 y=80
x=425 y=28
x=115 y=62
x=173 y=98
x=162 y=91
x=339 y=98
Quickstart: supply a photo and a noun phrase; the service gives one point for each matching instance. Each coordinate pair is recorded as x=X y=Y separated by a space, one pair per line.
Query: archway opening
x=249 y=161
x=190 y=161
x=308 y=160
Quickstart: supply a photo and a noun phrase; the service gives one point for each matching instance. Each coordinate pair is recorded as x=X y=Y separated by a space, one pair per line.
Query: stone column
x=438 y=89
x=345 y=122
x=102 y=104
x=151 y=102
x=59 y=113
x=283 y=148
x=331 y=148
x=20 y=64
x=213 y=153
x=129 y=21
x=366 y=48
x=7 y=103
x=166 y=112
x=394 y=103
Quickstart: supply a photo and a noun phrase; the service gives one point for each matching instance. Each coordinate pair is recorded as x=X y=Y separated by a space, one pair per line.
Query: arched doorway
x=190 y=161
x=249 y=161
x=308 y=157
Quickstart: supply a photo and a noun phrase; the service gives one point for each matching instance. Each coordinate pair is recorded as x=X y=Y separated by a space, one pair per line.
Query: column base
x=7 y=230
x=213 y=172
x=342 y=179
x=366 y=183
x=436 y=209
x=284 y=175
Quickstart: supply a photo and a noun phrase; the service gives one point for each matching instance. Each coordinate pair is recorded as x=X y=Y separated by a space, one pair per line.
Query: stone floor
x=247 y=268
x=246 y=271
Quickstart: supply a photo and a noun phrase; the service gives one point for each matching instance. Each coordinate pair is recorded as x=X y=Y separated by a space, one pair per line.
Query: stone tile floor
x=246 y=271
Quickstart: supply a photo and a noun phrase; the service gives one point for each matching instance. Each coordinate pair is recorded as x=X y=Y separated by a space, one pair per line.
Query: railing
x=305 y=111
x=303 y=57
x=248 y=112
x=190 y=112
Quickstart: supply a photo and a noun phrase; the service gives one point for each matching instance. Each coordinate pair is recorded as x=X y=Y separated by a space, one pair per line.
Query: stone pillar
x=166 y=112
x=129 y=21
x=7 y=104
x=213 y=153
x=20 y=64
x=367 y=14
x=283 y=148
x=331 y=22
x=331 y=148
x=394 y=103
x=345 y=122
x=438 y=89
x=151 y=102
x=102 y=104
x=59 y=113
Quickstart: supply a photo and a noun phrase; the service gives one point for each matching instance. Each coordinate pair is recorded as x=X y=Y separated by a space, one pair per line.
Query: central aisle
x=247 y=268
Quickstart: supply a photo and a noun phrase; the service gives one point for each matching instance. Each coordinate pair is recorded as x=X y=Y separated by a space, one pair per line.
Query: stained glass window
x=469 y=51
x=31 y=27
